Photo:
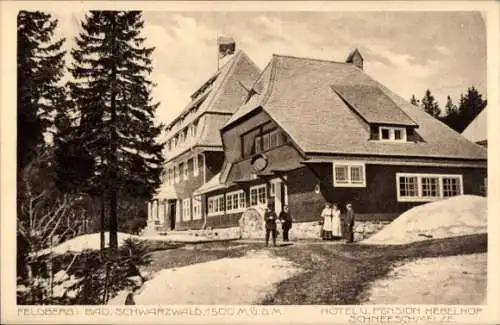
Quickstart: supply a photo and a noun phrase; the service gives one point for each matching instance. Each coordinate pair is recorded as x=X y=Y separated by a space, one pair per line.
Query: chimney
x=355 y=58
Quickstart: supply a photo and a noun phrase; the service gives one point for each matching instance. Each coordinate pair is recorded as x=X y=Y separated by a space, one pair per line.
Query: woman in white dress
x=336 y=223
x=326 y=215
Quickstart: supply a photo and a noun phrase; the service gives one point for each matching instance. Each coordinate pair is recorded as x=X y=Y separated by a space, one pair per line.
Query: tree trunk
x=113 y=224
x=103 y=206
x=113 y=221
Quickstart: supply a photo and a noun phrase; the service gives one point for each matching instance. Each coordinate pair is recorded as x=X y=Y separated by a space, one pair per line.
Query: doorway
x=279 y=193
x=172 y=213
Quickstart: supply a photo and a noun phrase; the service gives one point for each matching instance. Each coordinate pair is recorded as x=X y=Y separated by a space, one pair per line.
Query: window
x=169 y=145
x=408 y=186
x=195 y=128
x=430 y=187
x=186 y=170
x=349 y=174
x=176 y=174
x=195 y=166
x=384 y=134
x=265 y=142
x=196 y=207
x=392 y=134
x=451 y=186
x=258 y=144
x=235 y=201
x=427 y=187
x=258 y=195
x=273 y=139
x=186 y=209
x=483 y=189
x=216 y=205
x=181 y=165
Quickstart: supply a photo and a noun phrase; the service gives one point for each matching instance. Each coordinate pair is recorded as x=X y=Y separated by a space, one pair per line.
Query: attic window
x=392 y=134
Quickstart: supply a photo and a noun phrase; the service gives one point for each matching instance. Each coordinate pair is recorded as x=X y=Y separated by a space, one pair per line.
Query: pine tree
x=40 y=67
x=112 y=95
x=452 y=116
x=470 y=106
x=430 y=105
x=414 y=100
x=450 y=107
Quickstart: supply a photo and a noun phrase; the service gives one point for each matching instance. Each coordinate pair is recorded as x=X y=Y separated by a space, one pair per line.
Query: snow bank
x=89 y=241
x=456 y=216
x=93 y=241
x=451 y=280
x=226 y=281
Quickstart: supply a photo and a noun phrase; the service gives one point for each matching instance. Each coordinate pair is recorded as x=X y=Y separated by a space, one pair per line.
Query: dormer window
x=392 y=134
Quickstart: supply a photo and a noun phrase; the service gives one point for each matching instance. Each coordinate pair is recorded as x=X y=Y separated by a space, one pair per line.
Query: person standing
x=326 y=215
x=336 y=223
x=349 y=223
x=270 y=219
x=286 y=222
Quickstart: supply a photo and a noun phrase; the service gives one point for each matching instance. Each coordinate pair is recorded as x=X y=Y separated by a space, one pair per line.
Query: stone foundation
x=252 y=227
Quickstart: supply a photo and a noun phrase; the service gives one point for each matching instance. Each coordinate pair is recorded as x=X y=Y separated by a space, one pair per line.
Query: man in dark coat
x=270 y=219
x=349 y=223
x=286 y=222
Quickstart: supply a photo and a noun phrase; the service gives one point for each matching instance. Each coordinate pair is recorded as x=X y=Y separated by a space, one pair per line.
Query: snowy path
x=245 y=280
x=451 y=280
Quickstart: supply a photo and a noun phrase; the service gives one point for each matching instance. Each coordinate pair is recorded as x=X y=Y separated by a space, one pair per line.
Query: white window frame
x=197 y=207
x=230 y=198
x=420 y=197
x=186 y=209
x=391 y=134
x=215 y=200
x=256 y=188
x=349 y=165
x=185 y=170
x=196 y=170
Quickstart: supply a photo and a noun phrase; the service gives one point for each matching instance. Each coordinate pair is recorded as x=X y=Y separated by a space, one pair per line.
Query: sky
x=408 y=52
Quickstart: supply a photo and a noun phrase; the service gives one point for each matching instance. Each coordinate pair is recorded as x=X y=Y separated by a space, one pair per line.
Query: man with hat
x=270 y=219
x=349 y=223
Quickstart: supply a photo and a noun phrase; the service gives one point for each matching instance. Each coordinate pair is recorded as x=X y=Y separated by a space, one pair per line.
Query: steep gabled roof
x=299 y=96
x=477 y=130
x=217 y=99
x=224 y=93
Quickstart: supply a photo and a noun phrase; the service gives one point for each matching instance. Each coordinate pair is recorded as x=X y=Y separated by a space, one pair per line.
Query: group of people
x=333 y=227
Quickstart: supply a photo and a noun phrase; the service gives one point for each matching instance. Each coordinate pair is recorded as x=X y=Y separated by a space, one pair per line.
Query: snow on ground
x=89 y=241
x=93 y=241
x=456 y=216
x=231 y=281
x=451 y=280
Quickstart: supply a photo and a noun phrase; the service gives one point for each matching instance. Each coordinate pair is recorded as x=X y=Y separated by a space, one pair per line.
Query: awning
x=212 y=185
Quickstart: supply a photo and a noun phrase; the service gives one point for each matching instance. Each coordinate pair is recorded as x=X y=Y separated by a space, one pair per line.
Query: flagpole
x=217 y=47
